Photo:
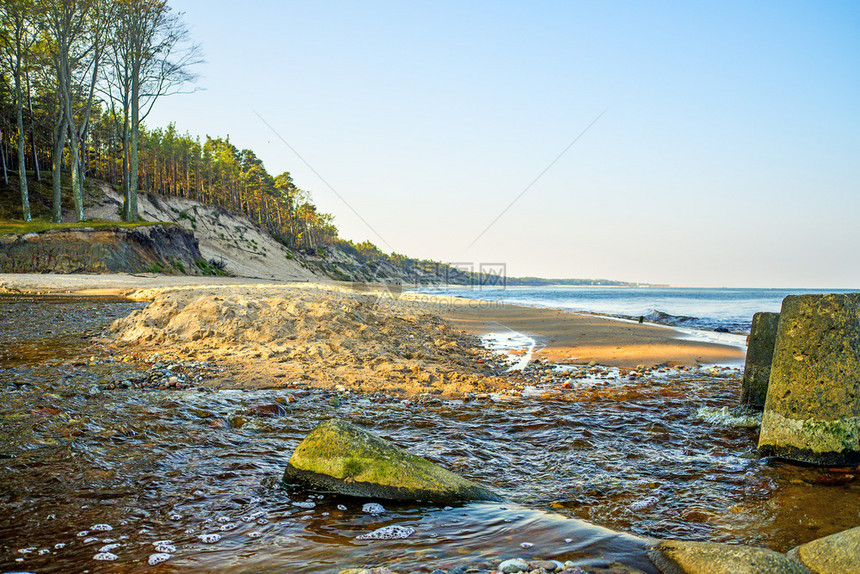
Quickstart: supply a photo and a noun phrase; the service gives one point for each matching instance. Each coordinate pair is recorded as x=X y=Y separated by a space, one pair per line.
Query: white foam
x=164 y=546
x=158 y=558
x=730 y=339
x=729 y=417
x=393 y=532
x=644 y=503
x=372 y=508
x=107 y=556
x=518 y=347
x=101 y=527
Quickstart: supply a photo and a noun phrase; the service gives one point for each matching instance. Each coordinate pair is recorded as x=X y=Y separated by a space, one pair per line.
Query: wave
x=701 y=323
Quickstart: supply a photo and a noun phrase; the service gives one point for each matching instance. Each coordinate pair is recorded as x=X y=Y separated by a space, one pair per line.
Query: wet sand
x=572 y=338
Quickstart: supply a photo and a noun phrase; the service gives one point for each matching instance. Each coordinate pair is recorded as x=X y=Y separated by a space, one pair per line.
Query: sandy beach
x=572 y=338
x=358 y=337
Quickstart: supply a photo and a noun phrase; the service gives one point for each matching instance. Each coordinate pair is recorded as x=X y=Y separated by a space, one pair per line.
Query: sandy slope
x=246 y=250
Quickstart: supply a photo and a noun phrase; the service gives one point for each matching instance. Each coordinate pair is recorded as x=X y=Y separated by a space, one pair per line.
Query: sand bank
x=358 y=337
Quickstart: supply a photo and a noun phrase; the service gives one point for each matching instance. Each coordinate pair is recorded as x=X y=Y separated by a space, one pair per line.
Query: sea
x=707 y=309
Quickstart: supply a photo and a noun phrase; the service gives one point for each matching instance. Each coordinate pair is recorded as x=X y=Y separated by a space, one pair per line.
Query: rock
x=680 y=557
x=759 y=357
x=341 y=457
x=835 y=554
x=812 y=412
x=548 y=565
x=380 y=570
x=513 y=565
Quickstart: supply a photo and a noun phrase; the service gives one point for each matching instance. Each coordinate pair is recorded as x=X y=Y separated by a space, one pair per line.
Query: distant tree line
x=77 y=80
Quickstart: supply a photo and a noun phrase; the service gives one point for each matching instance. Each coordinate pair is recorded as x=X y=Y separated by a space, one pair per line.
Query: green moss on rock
x=342 y=457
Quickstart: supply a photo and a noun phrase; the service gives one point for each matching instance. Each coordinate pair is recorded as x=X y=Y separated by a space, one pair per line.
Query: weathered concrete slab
x=759 y=358
x=812 y=412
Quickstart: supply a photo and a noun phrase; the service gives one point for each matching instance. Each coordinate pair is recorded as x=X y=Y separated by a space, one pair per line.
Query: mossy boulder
x=341 y=457
x=812 y=411
x=759 y=358
x=682 y=557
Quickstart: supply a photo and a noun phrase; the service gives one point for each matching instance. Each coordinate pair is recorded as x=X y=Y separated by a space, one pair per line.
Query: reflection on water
x=180 y=466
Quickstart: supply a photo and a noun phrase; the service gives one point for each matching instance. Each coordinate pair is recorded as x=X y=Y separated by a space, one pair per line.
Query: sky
x=698 y=143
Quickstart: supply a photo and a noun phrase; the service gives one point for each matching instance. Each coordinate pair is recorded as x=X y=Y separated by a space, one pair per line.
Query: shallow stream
x=657 y=456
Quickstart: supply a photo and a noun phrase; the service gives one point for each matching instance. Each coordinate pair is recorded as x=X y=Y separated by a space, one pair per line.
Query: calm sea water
x=710 y=309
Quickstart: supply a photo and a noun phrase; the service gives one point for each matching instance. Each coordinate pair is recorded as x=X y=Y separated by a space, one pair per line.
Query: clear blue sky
x=728 y=153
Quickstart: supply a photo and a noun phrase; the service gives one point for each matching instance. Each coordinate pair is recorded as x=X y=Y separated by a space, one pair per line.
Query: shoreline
x=561 y=337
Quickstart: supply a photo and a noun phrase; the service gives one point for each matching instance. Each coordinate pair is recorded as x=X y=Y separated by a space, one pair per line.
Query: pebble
x=158 y=558
x=372 y=508
x=513 y=565
x=526 y=545
x=548 y=565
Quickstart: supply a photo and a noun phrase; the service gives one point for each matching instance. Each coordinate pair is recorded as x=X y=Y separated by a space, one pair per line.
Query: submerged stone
x=341 y=457
x=812 y=412
x=681 y=557
x=835 y=554
x=759 y=358
x=513 y=565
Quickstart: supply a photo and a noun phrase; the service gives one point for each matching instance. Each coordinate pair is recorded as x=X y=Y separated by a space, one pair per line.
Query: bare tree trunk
x=3 y=155
x=22 y=166
x=133 y=163
x=33 y=133
x=56 y=171
x=19 y=118
x=75 y=165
